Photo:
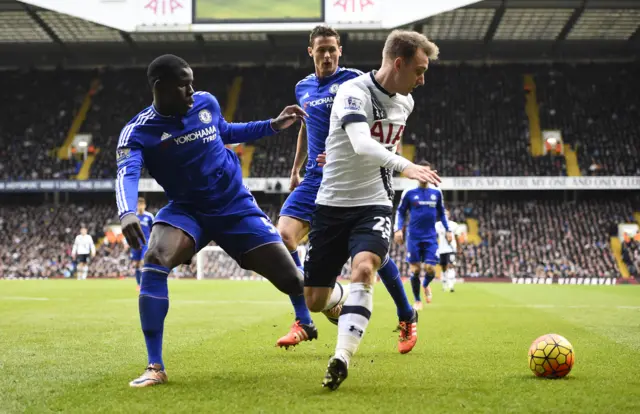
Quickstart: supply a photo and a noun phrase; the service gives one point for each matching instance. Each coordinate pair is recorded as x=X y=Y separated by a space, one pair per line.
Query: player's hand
x=132 y=231
x=398 y=237
x=422 y=173
x=295 y=180
x=449 y=236
x=322 y=159
x=289 y=116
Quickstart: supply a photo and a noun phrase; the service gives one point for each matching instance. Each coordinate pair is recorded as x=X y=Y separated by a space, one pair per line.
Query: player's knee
x=158 y=255
x=364 y=272
x=289 y=239
x=430 y=270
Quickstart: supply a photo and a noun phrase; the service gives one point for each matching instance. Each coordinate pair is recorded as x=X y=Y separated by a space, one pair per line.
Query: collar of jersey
x=377 y=85
x=155 y=111
x=329 y=78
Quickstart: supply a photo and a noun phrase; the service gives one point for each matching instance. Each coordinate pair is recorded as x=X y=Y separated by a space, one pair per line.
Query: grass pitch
x=73 y=346
x=258 y=9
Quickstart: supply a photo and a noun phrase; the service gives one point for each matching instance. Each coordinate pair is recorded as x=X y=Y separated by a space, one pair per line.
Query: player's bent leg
x=414 y=269
x=274 y=262
x=168 y=248
x=292 y=230
x=354 y=318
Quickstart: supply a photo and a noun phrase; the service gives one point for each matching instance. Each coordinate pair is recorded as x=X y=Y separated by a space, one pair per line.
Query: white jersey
x=443 y=245
x=83 y=245
x=349 y=179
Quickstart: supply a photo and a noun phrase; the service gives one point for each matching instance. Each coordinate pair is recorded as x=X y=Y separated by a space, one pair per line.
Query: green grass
x=73 y=346
x=258 y=9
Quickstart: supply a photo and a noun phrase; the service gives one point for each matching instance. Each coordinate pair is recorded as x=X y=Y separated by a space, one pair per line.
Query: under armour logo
x=359 y=331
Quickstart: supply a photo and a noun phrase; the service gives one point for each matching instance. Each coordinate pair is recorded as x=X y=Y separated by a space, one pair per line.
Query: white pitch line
x=21 y=298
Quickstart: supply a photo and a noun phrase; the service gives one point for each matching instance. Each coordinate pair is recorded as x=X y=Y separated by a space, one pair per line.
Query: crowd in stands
x=597 y=110
x=519 y=238
x=36 y=240
x=544 y=238
x=40 y=106
x=468 y=120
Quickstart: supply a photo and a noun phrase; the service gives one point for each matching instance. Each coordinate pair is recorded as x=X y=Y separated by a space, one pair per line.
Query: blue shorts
x=236 y=234
x=302 y=201
x=138 y=254
x=422 y=252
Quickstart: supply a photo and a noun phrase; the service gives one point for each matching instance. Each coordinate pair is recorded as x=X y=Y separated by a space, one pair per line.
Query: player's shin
x=153 y=305
x=298 y=302
x=138 y=276
x=415 y=285
x=354 y=319
x=390 y=276
x=452 y=278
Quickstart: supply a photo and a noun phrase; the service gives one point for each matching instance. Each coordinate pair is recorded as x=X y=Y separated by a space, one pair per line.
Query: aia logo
x=164 y=6
x=391 y=136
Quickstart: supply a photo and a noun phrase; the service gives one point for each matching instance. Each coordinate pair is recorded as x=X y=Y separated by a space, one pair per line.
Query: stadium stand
x=36 y=119
x=596 y=107
x=544 y=238
x=519 y=238
x=468 y=120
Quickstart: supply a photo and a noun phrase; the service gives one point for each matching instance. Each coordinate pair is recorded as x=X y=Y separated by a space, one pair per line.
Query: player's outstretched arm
x=129 y=164
x=360 y=137
x=239 y=132
x=300 y=158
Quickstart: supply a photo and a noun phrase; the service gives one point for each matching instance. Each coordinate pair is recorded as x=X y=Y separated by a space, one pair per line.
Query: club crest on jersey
x=334 y=88
x=205 y=116
x=433 y=196
x=352 y=104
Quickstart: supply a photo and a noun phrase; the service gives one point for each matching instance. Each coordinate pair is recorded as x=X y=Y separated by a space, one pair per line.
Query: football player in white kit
x=447 y=251
x=354 y=204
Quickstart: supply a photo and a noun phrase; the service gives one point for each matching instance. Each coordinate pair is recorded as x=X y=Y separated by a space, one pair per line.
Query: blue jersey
x=316 y=95
x=187 y=157
x=146 y=221
x=426 y=207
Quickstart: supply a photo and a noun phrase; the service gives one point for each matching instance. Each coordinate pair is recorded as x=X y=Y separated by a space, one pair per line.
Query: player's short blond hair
x=405 y=44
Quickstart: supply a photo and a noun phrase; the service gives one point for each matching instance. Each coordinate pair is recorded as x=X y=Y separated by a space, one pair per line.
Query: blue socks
x=415 y=285
x=138 y=276
x=390 y=276
x=296 y=258
x=298 y=302
x=154 y=305
x=427 y=279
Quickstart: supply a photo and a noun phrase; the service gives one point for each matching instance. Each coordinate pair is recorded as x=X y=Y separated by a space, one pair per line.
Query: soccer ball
x=551 y=356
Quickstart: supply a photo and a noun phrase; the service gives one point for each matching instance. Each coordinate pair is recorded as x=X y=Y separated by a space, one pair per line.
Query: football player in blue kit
x=315 y=93
x=181 y=140
x=146 y=221
x=426 y=207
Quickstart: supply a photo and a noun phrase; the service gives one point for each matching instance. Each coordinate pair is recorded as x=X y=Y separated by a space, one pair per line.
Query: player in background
x=447 y=248
x=181 y=140
x=83 y=249
x=426 y=207
x=354 y=204
x=316 y=94
x=146 y=221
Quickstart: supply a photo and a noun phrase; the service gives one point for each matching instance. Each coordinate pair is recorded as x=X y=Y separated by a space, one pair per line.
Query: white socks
x=354 y=320
x=338 y=296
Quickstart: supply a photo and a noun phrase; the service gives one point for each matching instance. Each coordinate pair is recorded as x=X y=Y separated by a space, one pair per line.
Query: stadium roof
x=490 y=29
